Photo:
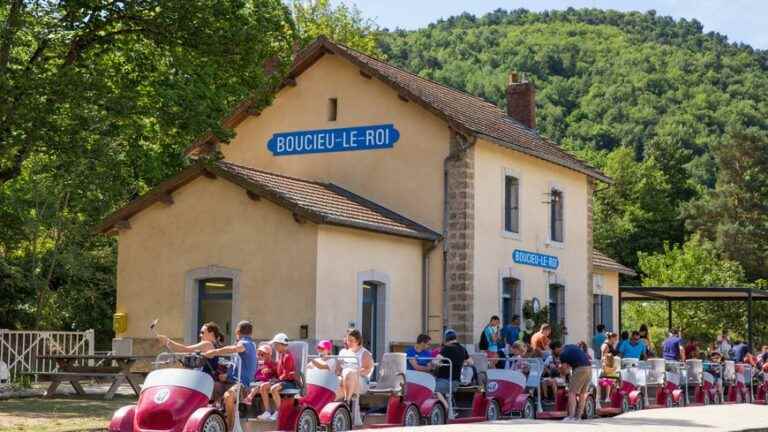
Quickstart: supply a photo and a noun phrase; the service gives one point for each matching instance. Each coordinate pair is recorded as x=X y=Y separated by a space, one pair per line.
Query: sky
x=741 y=20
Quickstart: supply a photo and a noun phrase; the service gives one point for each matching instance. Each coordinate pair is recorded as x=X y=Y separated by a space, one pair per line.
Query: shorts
x=286 y=385
x=221 y=388
x=580 y=379
x=442 y=385
x=363 y=383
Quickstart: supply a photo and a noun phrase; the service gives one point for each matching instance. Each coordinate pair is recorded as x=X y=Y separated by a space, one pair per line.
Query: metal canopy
x=670 y=294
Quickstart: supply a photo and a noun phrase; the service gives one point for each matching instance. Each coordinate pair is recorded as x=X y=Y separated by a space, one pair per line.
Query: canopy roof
x=627 y=293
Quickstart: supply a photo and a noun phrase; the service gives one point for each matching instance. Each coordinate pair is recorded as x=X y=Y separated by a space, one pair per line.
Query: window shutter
x=607 y=312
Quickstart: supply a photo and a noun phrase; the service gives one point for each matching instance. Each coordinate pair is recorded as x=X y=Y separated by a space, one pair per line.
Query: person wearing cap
x=286 y=375
x=265 y=373
x=234 y=382
x=325 y=350
x=449 y=375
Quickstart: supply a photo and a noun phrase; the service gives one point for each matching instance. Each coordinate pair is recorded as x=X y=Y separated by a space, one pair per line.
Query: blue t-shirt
x=422 y=357
x=670 y=349
x=739 y=352
x=633 y=351
x=597 y=342
x=574 y=356
x=511 y=333
x=492 y=345
x=248 y=360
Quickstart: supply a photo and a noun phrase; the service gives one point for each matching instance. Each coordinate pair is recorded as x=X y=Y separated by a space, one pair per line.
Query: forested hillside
x=677 y=117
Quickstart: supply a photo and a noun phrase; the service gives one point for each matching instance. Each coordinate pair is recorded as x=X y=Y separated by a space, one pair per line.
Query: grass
x=64 y=414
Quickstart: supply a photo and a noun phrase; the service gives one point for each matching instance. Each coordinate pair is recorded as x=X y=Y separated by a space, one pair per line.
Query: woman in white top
x=355 y=375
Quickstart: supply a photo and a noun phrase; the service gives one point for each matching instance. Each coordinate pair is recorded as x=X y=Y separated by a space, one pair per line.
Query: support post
x=669 y=314
x=749 y=318
x=621 y=302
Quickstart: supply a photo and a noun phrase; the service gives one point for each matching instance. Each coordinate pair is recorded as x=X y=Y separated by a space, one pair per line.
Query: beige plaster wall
x=343 y=254
x=214 y=223
x=407 y=179
x=494 y=249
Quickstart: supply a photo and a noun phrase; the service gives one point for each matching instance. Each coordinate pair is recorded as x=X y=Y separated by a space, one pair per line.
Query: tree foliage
x=343 y=24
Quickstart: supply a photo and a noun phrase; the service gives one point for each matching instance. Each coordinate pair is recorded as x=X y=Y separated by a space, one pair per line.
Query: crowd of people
x=268 y=369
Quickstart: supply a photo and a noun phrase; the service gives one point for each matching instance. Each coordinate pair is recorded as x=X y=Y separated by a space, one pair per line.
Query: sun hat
x=265 y=349
x=325 y=345
x=280 y=338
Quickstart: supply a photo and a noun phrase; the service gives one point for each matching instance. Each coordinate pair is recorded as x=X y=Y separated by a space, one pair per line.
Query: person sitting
x=551 y=376
x=448 y=375
x=355 y=374
x=420 y=356
x=266 y=372
x=234 y=382
x=210 y=338
x=325 y=350
x=517 y=351
x=714 y=367
x=634 y=349
x=609 y=372
x=540 y=341
x=286 y=376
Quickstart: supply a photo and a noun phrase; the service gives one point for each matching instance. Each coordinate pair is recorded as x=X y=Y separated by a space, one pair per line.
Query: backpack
x=483 y=345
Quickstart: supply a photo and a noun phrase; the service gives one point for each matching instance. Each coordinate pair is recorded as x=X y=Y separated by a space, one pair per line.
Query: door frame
x=192 y=293
x=382 y=281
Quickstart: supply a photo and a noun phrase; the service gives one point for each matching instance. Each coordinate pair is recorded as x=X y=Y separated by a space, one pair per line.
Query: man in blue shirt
x=420 y=356
x=245 y=348
x=672 y=349
x=740 y=350
x=598 y=339
x=635 y=348
x=572 y=357
x=511 y=332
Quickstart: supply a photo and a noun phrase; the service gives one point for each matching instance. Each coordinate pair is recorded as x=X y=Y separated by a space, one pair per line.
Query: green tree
x=341 y=23
x=697 y=263
x=735 y=214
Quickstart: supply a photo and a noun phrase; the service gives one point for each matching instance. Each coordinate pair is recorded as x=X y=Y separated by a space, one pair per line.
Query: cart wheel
x=214 y=423
x=529 y=412
x=589 y=407
x=307 y=421
x=492 y=411
x=669 y=402
x=412 y=416
x=624 y=403
x=437 y=414
x=341 y=420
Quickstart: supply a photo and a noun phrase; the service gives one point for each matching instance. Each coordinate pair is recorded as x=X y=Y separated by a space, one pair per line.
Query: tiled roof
x=322 y=203
x=467 y=112
x=602 y=261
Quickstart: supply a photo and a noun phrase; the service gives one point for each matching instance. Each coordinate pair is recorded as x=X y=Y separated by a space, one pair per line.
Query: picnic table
x=76 y=368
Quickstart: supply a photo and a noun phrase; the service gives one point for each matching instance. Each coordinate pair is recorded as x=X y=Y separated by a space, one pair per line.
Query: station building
x=366 y=196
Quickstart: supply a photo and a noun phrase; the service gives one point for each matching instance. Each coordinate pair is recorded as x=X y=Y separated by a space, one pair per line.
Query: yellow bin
x=120 y=322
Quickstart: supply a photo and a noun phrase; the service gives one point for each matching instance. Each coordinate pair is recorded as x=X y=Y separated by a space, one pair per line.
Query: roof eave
x=623 y=270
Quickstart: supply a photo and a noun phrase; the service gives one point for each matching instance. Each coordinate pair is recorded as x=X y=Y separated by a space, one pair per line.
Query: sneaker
x=266 y=416
x=568 y=419
x=274 y=416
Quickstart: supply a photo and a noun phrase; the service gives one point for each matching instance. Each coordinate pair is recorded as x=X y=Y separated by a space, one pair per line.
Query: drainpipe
x=428 y=248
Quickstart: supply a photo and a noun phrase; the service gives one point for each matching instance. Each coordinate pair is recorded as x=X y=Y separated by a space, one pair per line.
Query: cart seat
x=391 y=377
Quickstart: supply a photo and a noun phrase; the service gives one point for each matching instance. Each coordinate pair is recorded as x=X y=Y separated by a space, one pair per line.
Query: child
x=286 y=376
x=265 y=373
x=714 y=367
x=325 y=349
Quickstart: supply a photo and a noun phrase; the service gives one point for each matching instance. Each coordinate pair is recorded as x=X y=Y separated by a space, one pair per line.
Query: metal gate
x=20 y=349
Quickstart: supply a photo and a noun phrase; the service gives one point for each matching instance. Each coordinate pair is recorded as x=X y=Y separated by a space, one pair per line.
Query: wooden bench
x=72 y=372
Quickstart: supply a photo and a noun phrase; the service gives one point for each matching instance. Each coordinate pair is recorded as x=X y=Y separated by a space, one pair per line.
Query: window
x=602 y=311
x=511 y=299
x=333 y=107
x=598 y=283
x=511 y=204
x=556 y=216
x=556 y=304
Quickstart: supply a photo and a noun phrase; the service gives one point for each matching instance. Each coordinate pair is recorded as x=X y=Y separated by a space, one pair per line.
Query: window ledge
x=555 y=244
x=511 y=235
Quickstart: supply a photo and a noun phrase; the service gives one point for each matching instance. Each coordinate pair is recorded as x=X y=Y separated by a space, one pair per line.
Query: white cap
x=280 y=338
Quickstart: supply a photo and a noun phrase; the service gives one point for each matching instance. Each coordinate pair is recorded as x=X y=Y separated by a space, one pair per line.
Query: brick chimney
x=521 y=100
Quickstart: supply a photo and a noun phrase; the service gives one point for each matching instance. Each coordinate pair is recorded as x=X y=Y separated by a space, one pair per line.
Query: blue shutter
x=607 y=312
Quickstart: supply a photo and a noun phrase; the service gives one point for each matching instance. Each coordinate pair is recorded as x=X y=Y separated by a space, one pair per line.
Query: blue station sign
x=535 y=259
x=373 y=137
